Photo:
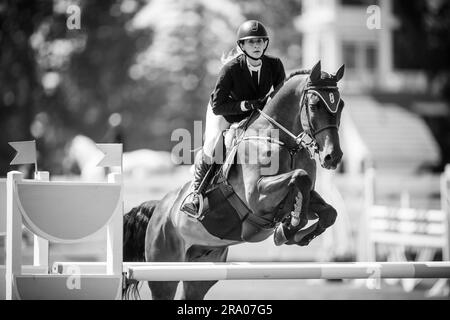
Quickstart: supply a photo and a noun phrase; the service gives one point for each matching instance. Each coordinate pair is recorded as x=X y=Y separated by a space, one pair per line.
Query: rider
x=243 y=85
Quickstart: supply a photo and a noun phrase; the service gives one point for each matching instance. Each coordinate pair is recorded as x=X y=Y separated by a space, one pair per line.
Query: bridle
x=306 y=138
x=303 y=102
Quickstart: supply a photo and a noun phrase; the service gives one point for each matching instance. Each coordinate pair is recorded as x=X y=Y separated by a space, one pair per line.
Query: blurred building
x=383 y=121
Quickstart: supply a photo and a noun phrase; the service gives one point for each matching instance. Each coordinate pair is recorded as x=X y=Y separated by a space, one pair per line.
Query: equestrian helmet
x=251 y=29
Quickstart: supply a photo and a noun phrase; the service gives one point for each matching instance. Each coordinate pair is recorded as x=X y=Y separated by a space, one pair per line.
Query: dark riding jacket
x=235 y=85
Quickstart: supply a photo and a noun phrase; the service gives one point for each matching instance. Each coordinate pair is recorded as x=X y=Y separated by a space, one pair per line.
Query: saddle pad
x=222 y=221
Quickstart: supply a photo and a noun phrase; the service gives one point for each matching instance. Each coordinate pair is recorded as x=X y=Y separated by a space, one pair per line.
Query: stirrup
x=195 y=215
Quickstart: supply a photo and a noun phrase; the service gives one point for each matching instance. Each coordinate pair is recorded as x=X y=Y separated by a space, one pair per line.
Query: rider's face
x=255 y=47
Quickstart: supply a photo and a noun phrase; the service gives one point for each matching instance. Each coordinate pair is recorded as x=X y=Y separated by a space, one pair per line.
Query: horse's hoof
x=279 y=237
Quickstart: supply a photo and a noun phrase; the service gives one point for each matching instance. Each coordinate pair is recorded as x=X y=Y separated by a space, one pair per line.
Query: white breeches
x=214 y=127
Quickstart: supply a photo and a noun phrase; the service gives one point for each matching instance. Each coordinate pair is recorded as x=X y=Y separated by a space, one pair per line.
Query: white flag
x=26 y=152
x=113 y=154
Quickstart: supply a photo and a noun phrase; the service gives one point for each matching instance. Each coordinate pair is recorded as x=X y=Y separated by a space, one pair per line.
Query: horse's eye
x=313 y=99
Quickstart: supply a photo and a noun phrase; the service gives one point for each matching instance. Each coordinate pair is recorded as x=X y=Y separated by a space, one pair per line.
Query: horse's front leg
x=327 y=216
x=273 y=190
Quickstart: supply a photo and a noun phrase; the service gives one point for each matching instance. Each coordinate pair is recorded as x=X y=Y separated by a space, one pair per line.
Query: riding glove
x=253 y=104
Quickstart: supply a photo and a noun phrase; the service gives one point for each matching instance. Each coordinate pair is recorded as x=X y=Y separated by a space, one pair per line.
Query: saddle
x=224 y=212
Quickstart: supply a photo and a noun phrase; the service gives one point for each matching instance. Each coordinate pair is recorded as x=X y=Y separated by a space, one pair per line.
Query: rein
x=303 y=140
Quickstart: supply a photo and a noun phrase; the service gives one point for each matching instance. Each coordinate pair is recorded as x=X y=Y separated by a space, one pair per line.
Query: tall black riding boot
x=200 y=171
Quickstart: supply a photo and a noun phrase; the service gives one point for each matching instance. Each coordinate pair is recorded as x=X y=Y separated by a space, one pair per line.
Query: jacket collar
x=243 y=61
x=243 y=64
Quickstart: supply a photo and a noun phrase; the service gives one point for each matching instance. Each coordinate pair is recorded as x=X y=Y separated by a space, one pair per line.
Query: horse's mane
x=291 y=75
x=298 y=72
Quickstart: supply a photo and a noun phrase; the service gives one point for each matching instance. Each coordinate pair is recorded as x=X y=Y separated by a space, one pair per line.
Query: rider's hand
x=264 y=100
x=254 y=104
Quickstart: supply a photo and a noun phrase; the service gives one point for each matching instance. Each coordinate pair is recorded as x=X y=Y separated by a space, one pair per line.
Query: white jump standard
x=65 y=212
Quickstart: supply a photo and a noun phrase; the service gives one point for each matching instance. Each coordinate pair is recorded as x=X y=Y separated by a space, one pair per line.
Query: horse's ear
x=315 y=72
x=340 y=73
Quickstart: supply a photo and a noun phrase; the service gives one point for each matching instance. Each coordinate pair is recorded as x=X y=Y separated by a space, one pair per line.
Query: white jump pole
x=245 y=271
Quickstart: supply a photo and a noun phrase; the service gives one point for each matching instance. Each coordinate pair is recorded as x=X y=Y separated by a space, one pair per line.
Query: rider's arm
x=222 y=102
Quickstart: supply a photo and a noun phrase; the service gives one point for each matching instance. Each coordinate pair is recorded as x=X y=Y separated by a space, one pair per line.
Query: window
x=371 y=57
x=360 y=55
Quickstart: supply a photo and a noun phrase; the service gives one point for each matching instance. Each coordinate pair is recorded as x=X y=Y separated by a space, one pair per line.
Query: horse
x=244 y=202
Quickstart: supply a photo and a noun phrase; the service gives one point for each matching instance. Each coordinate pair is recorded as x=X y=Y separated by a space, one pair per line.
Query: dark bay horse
x=305 y=112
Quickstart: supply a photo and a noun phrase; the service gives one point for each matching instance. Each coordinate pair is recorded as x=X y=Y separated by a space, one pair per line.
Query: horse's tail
x=134 y=228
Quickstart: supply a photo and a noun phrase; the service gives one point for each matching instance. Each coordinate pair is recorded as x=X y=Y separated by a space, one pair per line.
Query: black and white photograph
x=237 y=151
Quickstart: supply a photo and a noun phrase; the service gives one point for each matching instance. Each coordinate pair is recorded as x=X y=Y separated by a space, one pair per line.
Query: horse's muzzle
x=331 y=157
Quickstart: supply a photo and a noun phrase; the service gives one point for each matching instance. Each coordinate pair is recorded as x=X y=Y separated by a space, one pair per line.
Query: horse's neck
x=284 y=107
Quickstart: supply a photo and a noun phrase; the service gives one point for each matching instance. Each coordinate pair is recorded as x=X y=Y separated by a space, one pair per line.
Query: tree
x=68 y=81
x=184 y=57
x=19 y=84
x=154 y=62
x=423 y=40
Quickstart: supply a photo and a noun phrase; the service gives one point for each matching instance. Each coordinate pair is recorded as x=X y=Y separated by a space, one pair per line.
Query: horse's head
x=320 y=112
